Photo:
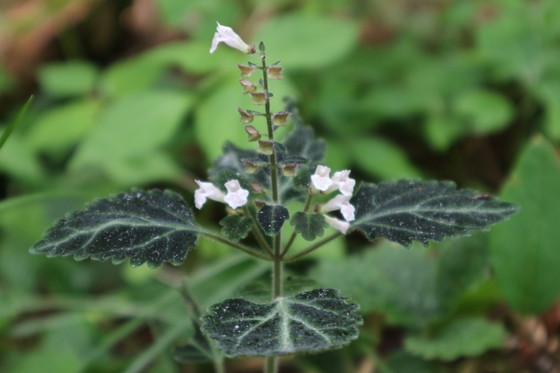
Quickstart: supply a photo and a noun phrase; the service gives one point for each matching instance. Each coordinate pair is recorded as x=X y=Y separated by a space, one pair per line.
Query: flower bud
x=266 y=147
x=275 y=72
x=248 y=86
x=246 y=117
x=250 y=167
x=257 y=187
x=253 y=133
x=289 y=170
x=246 y=71
x=258 y=98
x=280 y=119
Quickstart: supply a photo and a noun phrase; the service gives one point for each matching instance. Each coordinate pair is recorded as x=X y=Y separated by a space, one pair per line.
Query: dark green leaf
x=310 y=226
x=302 y=141
x=236 y=227
x=271 y=218
x=408 y=210
x=152 y=227
x=466 y=337
x=308 y=322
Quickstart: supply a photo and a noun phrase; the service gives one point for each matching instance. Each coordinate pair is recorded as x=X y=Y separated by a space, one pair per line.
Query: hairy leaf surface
x=311 y=321
x=407 y=210
x=310 y=226
x=152 y=227
x=271 y=218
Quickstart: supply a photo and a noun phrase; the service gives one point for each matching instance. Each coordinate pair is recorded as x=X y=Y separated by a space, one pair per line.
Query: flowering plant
x=277 y=180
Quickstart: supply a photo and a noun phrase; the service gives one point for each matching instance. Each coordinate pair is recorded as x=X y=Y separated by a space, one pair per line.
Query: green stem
x=294 y=234
x=277 y=281
x=313 y=247
x=236 y=245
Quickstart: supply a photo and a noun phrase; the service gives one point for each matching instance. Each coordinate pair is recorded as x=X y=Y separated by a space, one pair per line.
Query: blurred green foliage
x=466 y=90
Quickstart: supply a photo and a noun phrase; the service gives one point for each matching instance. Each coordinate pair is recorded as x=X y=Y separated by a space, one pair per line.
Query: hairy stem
x=311 y=248
x=277 y=281
x=236 y=245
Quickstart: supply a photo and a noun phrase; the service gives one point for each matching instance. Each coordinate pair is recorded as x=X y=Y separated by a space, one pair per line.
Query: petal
x=320 y=179
x=337 y=224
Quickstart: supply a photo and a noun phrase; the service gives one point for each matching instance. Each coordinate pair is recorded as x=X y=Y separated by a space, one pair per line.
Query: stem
x=277 y=281
x=293 y=236
x=313 y=247
x=236 y=245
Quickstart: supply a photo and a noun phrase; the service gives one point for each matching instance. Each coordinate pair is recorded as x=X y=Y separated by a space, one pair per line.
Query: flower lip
x=225 y=34
x=236 y=195
x=320 y=179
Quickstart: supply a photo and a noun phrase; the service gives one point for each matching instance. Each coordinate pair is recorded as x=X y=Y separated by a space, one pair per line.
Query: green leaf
x=152 y=227
x=310 y=226
x=483 y=111
x=407 y=210
x=131 y=127
x=466 y=337
x=236 y=227
x=271 y=218
x=196 y=351
x=306 y=41
x=308 y=322
x=301 y=141
x=66 y=79
x=524 y=252
x=381 y=158
x=63 y=126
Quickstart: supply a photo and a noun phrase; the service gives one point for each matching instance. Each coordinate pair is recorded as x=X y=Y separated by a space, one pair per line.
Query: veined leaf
x=152 y=227
x=407 y=210
x=311 y=321
x=236 y=227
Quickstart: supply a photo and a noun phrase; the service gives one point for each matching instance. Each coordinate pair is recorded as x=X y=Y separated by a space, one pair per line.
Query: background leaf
x=461 y=338
x=524 y=252
x=153 y=227
x=307 y=322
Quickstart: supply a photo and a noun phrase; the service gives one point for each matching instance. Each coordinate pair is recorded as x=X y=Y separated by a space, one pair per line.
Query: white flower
x=236 y=196
x=338 y=224
x=320 y=179
x=343 y=183
x=342 y=203
x=226 y=35
x=206 y=191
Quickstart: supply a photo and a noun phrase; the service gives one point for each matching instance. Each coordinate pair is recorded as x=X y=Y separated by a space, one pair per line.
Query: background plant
x=383 y=65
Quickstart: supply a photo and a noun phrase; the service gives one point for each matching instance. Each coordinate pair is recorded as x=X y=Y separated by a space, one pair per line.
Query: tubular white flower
x=226 y=35
x=236 y=196
x=320 y=179
x=206 y=191
x=338 y=224
x=342 y=203
x=343 y=183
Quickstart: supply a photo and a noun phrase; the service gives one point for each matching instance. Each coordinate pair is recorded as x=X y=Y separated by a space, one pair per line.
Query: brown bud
x=245 y=116
x=275 y=72
x=248 y=86
x=266 y=147
x=257 y=188
x=280 y=119
x=246 y=71
x=253 y=133
x=289 y=170
x=258 y=98
x=250 y=167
